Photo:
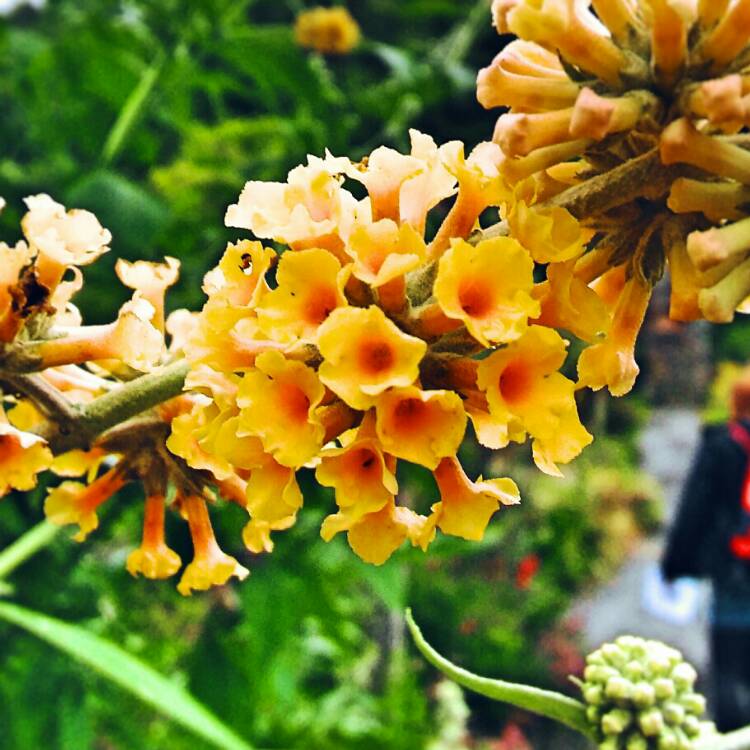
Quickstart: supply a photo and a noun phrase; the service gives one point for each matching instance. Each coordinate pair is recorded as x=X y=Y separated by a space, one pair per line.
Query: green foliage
x=126 y=671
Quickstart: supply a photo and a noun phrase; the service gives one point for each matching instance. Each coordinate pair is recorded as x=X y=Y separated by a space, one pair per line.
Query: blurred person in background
x=710 y=538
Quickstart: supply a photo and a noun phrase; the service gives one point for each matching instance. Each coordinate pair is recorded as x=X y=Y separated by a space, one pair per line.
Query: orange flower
x=612 y=362
x=278 y=402
x=568 y=302
x=153 y=558
x=364 y=354
x=480 y=184
x=383 y=251
x=551 y=235
x=273 y=499
x=465 y=507
x=526 y=394
x=376 y=536
x=131 y=339
x=61 y=239
x=75 y=503
x=191 y=437
x=151 y=281
x=487 y=286
x=22 y=456
x=404 y=187
x=210 y=566
x=310 y=286
x=239 y=279
x=362 y=475
x=12 y=261
x=420 y=426
x=310 y=209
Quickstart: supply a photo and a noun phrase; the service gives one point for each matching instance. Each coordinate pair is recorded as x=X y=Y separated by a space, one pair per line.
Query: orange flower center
x=515 y=382
x=294 y=401
x=10 y=450
x=365 y=460
x=475 y=297
x=375 y=357
x=321 y=303
x=375 y=260
x=411 y=414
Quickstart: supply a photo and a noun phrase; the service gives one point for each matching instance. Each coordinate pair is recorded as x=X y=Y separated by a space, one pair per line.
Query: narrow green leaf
x=25 y=546
x=547 y=703
x=132 y=108
x=128 y=672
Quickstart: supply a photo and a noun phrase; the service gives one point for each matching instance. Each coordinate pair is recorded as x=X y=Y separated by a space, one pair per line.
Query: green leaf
x=25 y=546
x=547 y=703
x=128 y=672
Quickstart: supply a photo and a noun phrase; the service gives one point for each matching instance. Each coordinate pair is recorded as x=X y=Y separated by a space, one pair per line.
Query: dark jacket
x=709 y=513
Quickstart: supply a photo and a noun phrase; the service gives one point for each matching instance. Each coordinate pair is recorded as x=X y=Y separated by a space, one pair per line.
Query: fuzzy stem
x=120 y=405
x=547 y=703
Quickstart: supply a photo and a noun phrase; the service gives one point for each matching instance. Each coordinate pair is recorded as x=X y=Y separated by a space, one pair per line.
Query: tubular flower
x=60 y=238
x=310 y=287
x=404 y=187
x=487 y=286
x=310 y=210
x=568 y=302
x=382 y=251
x=210 y=566
x=525 y=393
x=273 y=499
x=22 y=456
x=364 y=354
x=376 y=536
x=12 y=261
x=612 y=362
x=642 y=93
x=420 y=426
x=151 y=281
x=331 y=31
x=75 y=503
x=360 y=472
x=153 y=558
x=465 y=507
x=278 y=402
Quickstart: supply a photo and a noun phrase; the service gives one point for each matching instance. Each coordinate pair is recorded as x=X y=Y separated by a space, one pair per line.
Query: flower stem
x=119 y=405
x=547 y=703
x=26 y=546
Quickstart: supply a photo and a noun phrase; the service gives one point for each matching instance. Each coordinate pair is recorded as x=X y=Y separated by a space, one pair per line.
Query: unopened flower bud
x=618 y=688
x=634 y=670
x=684 y=676
x=674 y=713
x=694 y=703
x=616 y=721
x=664 y=688
x=644 y=695
x=651 y=722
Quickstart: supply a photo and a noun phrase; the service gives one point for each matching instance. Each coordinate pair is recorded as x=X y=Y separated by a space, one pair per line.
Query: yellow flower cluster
x=389 y=314
x=370 y=339
x=646 y=104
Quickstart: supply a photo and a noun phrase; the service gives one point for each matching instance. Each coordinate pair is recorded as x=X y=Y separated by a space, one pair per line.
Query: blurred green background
x=153 y=113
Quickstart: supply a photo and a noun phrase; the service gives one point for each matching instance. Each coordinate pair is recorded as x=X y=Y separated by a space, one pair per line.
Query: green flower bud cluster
x=639 y=696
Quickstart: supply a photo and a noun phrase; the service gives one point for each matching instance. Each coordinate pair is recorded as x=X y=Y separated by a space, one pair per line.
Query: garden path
x=667 y=446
